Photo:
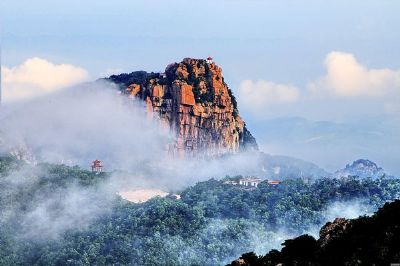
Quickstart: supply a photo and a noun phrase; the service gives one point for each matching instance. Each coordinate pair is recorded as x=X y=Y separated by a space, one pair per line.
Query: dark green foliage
x=196 y=90
x=205 y=97
x=293 y=204
x=234 y=102
x=235 y=113
x=300 y=248
x=167 y=95
x=365 y=241
x=62 y=175
x=137 y=77
x=212 y=223
x=8 y=163
x=250 y=258
x=192 y=77
x=294 y=252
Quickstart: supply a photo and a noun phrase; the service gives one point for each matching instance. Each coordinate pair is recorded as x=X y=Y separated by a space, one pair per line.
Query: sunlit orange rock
x=194 y=100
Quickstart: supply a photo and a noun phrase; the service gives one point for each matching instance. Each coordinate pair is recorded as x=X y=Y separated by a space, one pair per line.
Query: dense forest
x=363 y=241
x=60 y=215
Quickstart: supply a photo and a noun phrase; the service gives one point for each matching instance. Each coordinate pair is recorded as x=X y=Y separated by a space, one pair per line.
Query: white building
x=230 y=182
x=250 y=182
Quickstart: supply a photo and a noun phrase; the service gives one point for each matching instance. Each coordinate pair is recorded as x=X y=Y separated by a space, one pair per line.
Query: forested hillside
x=59 y=215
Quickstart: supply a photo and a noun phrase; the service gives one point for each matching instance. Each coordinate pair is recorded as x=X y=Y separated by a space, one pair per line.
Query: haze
x=319 y=86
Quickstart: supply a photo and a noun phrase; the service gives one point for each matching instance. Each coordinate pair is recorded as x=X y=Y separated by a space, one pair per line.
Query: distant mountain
x=269 y=166
x=364 y=241
x=280 y=167
x=332 y=144
x=362 y=168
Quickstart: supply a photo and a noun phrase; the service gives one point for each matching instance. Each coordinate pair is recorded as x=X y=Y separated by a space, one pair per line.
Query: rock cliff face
x=332 y=231
x=192 y=98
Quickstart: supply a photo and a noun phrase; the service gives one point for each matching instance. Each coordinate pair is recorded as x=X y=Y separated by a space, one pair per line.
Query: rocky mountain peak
x=192 y=98
x=361 y=168
x=362 y=164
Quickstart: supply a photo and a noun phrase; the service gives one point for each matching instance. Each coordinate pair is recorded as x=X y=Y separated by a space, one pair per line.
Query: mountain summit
x=362 y=168
x=192 y=98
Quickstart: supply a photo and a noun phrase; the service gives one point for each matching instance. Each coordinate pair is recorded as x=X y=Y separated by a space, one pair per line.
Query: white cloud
x=37 y=76
x=257 y=95
x=346 y=77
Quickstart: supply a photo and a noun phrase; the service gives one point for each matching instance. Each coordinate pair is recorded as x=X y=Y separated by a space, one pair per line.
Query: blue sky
x=281 y=48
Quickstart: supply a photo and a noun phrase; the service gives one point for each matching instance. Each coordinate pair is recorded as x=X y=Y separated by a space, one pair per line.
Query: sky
x=317 y=80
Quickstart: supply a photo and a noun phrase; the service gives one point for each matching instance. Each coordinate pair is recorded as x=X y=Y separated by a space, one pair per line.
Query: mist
x=83 y=123
x=93 y=121
x=78 y=125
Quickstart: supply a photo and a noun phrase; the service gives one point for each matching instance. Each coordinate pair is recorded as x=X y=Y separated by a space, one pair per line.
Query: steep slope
x=364 y=241
x=192 y=99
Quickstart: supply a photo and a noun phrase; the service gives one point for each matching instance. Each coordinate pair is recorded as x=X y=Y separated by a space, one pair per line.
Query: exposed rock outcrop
x=333 y=230
x=192 y=98
x=361 y=168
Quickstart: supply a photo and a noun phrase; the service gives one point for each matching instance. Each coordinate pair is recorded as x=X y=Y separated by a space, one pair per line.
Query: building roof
x=274 y=182
x=96 y=163
x=251 y=179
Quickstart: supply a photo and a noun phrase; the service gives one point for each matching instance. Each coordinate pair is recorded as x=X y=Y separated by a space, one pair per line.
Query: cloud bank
x=346 y=77
x=346 y=81
x=37 y=76
x=258 y=95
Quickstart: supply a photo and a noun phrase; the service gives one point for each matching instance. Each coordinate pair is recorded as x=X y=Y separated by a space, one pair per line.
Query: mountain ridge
x=362 y=168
